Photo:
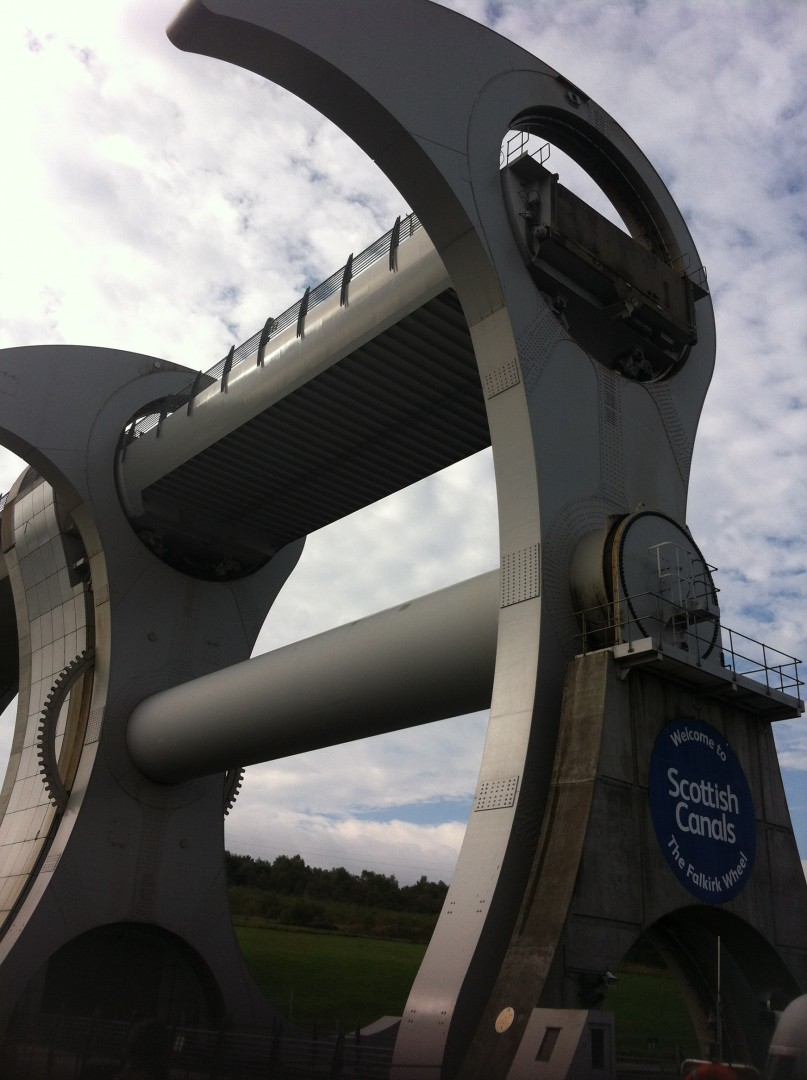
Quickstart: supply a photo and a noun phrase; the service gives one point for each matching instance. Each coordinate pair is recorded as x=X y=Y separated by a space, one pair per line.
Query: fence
x=58 y=1047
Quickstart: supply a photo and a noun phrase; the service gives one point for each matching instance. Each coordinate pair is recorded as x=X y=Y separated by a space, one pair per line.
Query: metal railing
x=57 y=1047
x=384 y=247
x=518 y=143
x=638 y=1058
x=694 y=637
x=761 y=662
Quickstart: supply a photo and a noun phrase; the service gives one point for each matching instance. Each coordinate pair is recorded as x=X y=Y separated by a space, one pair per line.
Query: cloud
x=167 y=203
x=330 y=805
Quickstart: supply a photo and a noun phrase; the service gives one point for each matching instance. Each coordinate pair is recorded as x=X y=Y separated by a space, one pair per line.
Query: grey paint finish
x=576 y=443
x=429 y=95
x=54 y=626
x=377 y=301
x=422 y=661
x=122 y=849
x=376 y=388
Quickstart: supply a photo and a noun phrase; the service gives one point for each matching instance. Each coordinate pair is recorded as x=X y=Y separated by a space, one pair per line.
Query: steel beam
x=421 y=661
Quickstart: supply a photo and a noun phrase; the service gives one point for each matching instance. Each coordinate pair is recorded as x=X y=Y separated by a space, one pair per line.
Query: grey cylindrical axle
x=424 y=660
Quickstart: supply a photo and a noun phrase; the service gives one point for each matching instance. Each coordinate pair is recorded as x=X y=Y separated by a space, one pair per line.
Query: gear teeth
x=46 y=730
x=233 y=780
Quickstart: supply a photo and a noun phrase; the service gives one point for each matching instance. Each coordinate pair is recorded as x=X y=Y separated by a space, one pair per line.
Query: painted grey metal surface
x=378 y=298
x=574 y=441
x=374 y=389
x=117 y=848
x=421 y=661
x=54 y=621
x=592 y=391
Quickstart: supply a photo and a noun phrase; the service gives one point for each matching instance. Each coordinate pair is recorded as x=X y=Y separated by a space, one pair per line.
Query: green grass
x=328 y=979
x=651 y=1017
x=331 y=980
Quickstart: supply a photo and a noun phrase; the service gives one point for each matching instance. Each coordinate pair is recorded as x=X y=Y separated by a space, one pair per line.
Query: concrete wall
x=600 y=879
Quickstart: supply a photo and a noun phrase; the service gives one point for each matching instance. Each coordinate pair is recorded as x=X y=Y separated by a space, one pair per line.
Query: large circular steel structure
x=164 y=510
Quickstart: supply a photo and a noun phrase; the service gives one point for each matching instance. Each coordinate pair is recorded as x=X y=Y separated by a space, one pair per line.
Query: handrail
x=383 y=247
x=734 y=652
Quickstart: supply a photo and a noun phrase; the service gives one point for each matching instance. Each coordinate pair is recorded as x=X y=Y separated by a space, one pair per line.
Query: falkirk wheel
x=629 y=787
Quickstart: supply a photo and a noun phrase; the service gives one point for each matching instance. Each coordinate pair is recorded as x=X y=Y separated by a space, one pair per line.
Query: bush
x=302 y=912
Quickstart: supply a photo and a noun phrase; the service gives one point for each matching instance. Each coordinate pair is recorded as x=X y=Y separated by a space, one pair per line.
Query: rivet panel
x=521 y=575
x=496 y=382
x=496 y=794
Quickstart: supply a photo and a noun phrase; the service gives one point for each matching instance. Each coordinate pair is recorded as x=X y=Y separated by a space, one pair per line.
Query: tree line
x=291 y=876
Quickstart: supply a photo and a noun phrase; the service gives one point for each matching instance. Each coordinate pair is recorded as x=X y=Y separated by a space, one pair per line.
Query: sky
x=166 y=203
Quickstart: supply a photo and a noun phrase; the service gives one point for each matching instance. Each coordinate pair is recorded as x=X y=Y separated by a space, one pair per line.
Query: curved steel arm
x=430 y=96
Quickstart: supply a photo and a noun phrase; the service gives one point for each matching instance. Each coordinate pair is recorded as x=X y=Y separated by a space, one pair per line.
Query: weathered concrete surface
x=600 y=880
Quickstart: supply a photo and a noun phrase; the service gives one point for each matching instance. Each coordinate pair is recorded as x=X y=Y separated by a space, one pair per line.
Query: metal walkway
x=369 y=383
x=364 y=387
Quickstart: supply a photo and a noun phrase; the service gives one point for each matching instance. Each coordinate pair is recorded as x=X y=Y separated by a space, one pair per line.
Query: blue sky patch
x=420 y=813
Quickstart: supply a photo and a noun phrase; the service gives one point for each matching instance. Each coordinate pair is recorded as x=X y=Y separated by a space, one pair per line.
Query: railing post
x=347 y=277
x=336 y=1062
x=266 y=333
x=765 y=665
x=394 y=241
x=228 y=363
x=731 y=652
x=163 y=414
x=301 y=314
x=194 y=392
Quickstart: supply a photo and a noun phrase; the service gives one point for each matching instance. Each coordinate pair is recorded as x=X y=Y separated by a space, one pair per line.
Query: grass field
x=330 y=980
x=651 y=1018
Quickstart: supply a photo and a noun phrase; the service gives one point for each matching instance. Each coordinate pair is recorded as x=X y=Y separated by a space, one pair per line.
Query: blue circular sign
x=702 y=810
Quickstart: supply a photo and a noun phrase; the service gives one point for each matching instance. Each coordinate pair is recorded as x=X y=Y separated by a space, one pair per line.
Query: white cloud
x=326 y=804
x=167 y=203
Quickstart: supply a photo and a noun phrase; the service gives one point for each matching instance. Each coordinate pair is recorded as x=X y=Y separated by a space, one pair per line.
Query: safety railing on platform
x=385 y=246
x=518 y=143
x=699 y=639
